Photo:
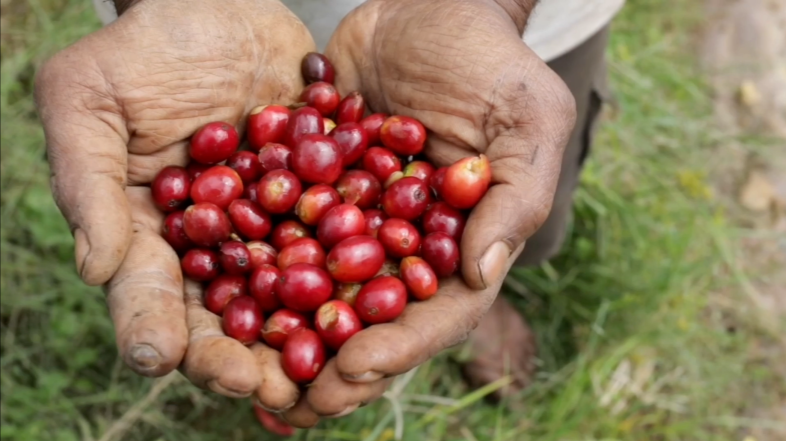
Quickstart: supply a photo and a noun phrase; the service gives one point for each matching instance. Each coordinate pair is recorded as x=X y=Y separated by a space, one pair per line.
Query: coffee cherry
x=280 y=325
x=374 y=219
x=315 y=202
x=421 y=170
x=250 y=192
x=174 y=233
x=347 y=292
x=399 y=237
x=261 y=254
x=249 y=219
x=272 y=422
x=287 y=232
x=419 y=277
x=200 y=264
x=353 y=141
x=438 y=180
x=235 y=258
x=246 y=165
x=381 y=300
x=322 y=96
x=171 y=188
x=267 y=124
x=219 y=185
x=336 y=322
x=222 y=290
x=403 y=135
x=278 y=191
x=243 y=320
x=406 y=199
x=275 y=156
x=206 y=224
x=213 y=143
x=372 y=125
x=304 y=287
x=303 y=356
x=304 y=121
x=441 y=217
x=316 y=67
x=360 y=188
x=351 y=108
x=355 y=259
x=316 y=159
x=441 y=252
x=304 y=250
x=466 y=182
x=341 y=222
x=262 y=287
x=381 y=163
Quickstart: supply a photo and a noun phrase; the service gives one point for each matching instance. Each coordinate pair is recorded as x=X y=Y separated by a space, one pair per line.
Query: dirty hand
x=117 y=107
x=461 y=68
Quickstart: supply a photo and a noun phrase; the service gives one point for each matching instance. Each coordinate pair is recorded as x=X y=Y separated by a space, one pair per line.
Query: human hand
x=117 y=107
x=461 y=68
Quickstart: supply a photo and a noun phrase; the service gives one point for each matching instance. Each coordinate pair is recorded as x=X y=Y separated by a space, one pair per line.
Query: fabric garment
x=554 y=28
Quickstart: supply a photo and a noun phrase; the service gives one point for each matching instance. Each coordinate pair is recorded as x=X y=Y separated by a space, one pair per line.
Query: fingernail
x=81 y=251
x=344 y=412
x=144 y=357
x=216 y=387
x=365 y=377
x=283 y=409
x=493 y=263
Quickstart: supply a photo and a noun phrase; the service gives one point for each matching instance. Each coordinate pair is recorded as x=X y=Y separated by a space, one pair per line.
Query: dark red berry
x=355 y=259
x=303 y=356
x=381 y=300
x=359 y=187
x=280 y=325
x=223 y=289
x=250 y=192
x=303 y=250
x=404 y=135
x=195 y=169
x=287 y=232
x=267 y=124
x=249 y=219
x=246 y=164
x=272 y=422
x=262 y=287
x=399 y=237
x=243 y=320
x=315 y=202
x=316 y=159
x=275 y=157
x=235 y=258
x=278 y=191
x=206 y=224
x=219 y=185
x=406 y=199
x=441 y=252
x=381 y=163
x=353 y=141
x=316 y=67
x=213 y=143
x=441 y=217
x=336 y=322
x=341 y=222
x=174 y=233
x=261 y=254
x=372 y=125
x=171 y=188
x=419 y=277
x=374 y=219
x=304 y=121
x=351 y=108
x=421 y=170
x=322 y=96
x=200 y=264
x=304 y=287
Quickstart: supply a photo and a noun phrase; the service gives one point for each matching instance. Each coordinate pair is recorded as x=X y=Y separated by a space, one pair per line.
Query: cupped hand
x=117 y=107
x=462 y=69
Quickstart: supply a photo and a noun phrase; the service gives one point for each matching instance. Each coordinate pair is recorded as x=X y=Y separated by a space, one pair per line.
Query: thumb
x=87 y=156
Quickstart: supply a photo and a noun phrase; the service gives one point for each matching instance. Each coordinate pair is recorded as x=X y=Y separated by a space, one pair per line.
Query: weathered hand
x=117 y=107
x=461 y=68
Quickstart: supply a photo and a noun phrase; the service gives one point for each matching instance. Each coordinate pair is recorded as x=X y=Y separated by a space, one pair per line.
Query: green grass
x=632 y=347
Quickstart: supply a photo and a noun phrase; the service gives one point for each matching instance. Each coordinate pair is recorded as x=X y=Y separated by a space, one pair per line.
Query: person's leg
x=503 y=343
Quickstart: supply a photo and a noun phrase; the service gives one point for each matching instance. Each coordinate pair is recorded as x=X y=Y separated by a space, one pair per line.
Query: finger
x=422 y=331
x=277 y=392
x=301 y=415
x=213 y=360
x=87 y=154
x=331 y=396
x=145 y=296
x=526 y=158
x=347 y=45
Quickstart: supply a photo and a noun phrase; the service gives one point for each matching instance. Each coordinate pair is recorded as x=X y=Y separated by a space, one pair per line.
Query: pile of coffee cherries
x=330 y=221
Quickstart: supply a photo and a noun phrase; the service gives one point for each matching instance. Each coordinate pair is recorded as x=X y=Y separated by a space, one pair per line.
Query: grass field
x=634 y=345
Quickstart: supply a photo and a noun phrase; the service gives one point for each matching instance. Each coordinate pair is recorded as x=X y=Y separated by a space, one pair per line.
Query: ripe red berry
x=303 y=356
x=381 y=163
x=404 y=135
x=437 y=180
x=316 y=67
x=213 y=143
x=351 y=108
x=223 y=289
x=219 y=185
x=174 y=233
x=420 y=169
x=304 y=250
x=261 y=254
x=315 y=202
x=195 y=169
x=243 y=320
x=336 y=322
x=322 y=96
x=441 y=217
x=374 y=219
x=272 y=422
x=287 y=232
x=353 y=141
x=381 y=300
x=466 y=182
x=267 y=124
x=262 y=287
x=355 y=259
x=304 y=121
x=280 y=325
x=372 y=125
x=399 y=237
x=389 y=268
x=341 y=222
x=170 y=188
x=359 y=187
x=329 y=126
x=200 y=264
x=347 y=292
x=235 y=258
x=304 y=287
x=246 y=165
x=249 y=219
x=278 y=191
x=441 y=252
x=275 y=156
x=406 y=199
x=206 y=224
x=419 y=277
x=316 y=159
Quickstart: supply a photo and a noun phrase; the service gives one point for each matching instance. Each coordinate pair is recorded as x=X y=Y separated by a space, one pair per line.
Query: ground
x=662 y=319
